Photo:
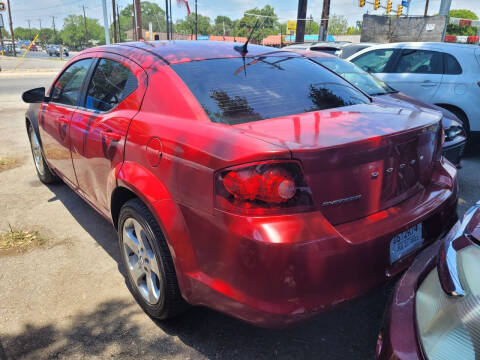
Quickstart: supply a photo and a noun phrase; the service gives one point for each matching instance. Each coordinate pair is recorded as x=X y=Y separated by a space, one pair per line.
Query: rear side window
x=374 y=61
x=452 y=67
x=234 y=91
x=420 y=62
x=111 y=83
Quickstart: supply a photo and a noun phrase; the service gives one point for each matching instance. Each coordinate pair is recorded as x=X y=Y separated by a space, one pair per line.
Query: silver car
x=447 y=75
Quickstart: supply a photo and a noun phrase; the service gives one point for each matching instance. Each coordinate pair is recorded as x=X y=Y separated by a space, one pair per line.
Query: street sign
x=2 y=6
x=1 y=21
x=291 y=25
x=405 y=3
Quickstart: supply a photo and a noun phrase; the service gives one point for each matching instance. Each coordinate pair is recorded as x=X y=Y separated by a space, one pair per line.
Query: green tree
x=73 y=31
x=25 y=33
x=462 y=30
x=150 y=13
x=223 y=25
x=337 y=25
x=187 y=25
x=270 y=24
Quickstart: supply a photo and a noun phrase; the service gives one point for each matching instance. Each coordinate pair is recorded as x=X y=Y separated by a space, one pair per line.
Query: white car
x=447 y=75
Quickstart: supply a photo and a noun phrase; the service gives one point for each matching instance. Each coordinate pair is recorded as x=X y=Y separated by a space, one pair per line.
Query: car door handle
x=428 y=83
x=113 y=136
x=63 y=120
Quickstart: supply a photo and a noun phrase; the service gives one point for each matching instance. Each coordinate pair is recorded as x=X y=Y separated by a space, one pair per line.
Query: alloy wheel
x=142 y=264
x=37 y=152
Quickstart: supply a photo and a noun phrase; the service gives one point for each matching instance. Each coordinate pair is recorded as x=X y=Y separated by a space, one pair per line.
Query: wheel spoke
x=137 y=272
x=153 y=292
x=138 y=232
x=153 y=263
x=130 y=239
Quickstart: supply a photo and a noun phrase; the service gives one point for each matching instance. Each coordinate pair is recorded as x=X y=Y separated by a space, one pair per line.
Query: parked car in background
x=257 y=183
x=342 y=49
x=447 y=75
x=329 y=47
x=54 y=50
x=352 y=48
x=455 y=134
x=34 y=48
x=434 y=312
x=8 y=50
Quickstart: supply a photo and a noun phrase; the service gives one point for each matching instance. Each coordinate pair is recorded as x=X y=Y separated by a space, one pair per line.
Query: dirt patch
x=7 y=163
x=18 y=241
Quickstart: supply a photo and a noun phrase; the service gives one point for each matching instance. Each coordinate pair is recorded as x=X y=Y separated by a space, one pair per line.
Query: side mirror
x=34 y=95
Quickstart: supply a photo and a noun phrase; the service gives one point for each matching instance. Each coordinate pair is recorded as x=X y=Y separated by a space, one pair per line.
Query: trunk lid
x=358 y=160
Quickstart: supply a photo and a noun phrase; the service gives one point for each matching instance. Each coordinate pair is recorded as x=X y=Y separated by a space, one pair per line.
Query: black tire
x=171 y=302
x=463 y=119
x=44 y=173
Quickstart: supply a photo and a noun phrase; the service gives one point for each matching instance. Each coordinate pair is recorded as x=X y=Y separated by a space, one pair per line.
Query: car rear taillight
x=262 y=188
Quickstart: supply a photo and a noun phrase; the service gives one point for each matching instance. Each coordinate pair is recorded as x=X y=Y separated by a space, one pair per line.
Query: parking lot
x=67 y=299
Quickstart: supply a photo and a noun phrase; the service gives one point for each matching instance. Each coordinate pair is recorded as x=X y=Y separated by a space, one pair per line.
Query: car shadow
x=348 y=331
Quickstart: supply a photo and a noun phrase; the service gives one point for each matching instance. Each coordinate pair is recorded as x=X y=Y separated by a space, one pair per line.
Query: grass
x=20 y=240
x=7 y=163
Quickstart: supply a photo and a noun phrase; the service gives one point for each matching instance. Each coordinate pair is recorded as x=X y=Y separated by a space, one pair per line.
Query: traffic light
x=389 y=6
x=399 y=10
x=376 y=5
x=362 y=3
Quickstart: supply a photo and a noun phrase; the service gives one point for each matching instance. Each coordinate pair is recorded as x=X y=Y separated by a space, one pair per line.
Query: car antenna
x=243 y=48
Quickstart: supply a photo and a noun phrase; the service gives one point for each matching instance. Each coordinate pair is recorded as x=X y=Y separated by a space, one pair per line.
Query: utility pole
x=426 y=7
x=114 y=22
x=11 y=28
x=134 y=22
x=166 y=18
x=40 y=32
x=29 y=29
x=139 y=20
x=54 y=30
x=301 y=15
x=196 y=21
x=445 y=11
x=86 y=31
x=445 y=7
x=105 y=22
x=119 y=28
x=171 y=21
x=325 y=16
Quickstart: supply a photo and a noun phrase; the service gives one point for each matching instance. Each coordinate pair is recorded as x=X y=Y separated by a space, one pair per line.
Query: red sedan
x=435 y=309
x=255 y=182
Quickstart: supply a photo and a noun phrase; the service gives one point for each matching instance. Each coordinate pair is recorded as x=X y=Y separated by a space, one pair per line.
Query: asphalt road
x=68 y=299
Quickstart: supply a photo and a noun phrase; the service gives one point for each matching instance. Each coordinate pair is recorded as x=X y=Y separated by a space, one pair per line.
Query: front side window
x=68 y=86
x=234 y=91
x=374 y=61
x=420 y=62
x=111 y=83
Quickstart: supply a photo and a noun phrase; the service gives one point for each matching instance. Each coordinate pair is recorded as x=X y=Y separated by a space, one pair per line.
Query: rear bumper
x=276 y=271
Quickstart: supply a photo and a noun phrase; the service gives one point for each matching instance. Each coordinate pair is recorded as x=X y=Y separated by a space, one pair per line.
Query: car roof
x=179 y=51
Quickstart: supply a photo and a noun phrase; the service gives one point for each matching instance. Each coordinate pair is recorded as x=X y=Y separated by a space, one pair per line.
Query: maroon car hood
x=358 y=160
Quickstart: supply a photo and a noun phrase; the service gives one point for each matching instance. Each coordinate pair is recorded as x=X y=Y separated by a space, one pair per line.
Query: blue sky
x=24 y=10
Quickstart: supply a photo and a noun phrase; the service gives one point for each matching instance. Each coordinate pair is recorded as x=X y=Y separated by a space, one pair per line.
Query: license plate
x=405 y=243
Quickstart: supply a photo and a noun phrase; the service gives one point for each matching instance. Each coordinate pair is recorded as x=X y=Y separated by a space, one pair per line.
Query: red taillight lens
x=263 y=188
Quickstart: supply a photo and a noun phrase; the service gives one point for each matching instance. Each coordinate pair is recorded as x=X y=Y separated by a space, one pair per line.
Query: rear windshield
x=235 y=91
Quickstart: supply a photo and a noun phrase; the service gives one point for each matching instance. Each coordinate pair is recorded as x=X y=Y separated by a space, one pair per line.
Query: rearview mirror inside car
x=36 y=95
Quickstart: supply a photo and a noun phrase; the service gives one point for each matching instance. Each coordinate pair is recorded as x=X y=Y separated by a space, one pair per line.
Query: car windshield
x=235 y=90
x=361 y=79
